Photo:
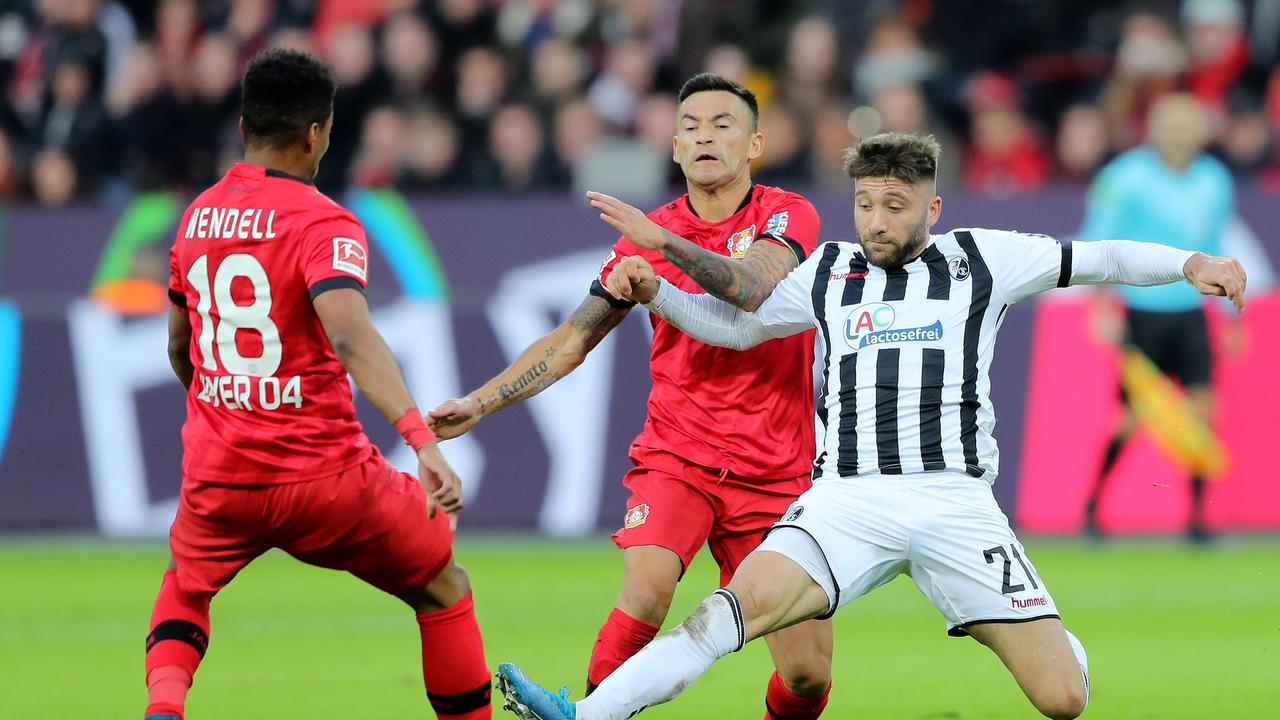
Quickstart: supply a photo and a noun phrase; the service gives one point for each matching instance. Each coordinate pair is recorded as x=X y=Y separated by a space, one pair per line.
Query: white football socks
x=671 y=663
x=1078 y=649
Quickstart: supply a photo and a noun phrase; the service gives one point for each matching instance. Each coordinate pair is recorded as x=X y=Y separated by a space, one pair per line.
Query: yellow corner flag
x=1169 y=416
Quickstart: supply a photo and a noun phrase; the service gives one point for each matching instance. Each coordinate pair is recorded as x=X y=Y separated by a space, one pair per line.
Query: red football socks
x=177 y=642
x=453 y=667
x=782 y=704
x=621 y=637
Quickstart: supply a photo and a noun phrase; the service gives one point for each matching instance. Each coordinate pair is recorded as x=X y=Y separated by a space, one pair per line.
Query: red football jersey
x=270 y=403
x=751 y=411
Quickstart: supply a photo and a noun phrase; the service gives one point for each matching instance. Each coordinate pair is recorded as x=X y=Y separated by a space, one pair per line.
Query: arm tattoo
x=594 y=318
x=536 y=377
x=744 y=283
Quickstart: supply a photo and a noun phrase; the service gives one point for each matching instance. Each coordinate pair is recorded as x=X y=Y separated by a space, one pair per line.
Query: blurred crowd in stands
x=106 y=98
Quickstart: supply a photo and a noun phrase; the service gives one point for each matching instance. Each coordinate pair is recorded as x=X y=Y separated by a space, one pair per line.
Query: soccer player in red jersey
x=728 y=441
x=267 y=280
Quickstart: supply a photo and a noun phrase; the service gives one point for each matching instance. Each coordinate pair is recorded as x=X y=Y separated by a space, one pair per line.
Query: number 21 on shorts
x=1006 y=585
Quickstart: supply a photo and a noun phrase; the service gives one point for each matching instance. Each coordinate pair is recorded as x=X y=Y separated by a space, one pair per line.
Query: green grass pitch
x=1171 y=633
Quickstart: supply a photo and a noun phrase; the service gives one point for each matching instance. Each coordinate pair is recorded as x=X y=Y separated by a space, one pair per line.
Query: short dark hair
x=285 y=91
x=708 y=82
x=905 y=156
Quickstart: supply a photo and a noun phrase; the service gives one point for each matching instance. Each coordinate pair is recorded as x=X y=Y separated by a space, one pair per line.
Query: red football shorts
x=370 y=521
x=678 y=505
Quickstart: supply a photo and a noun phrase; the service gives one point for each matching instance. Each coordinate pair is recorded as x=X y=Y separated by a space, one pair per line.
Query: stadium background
x=465 y=132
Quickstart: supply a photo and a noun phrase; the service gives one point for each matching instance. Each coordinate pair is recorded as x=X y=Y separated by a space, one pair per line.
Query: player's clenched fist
x=633 y=279
x=1215 y=275
x=453 y=418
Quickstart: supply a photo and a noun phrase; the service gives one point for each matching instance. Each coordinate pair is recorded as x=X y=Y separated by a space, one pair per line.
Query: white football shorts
x=944 y=529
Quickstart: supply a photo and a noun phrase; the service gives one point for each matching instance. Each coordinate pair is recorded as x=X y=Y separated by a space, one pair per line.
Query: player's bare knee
x=450 y=586
x=808 y=678
x=646 y=598
x=1064 y=701
x=760 y=607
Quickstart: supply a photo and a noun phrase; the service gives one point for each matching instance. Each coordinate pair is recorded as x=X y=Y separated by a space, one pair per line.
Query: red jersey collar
x=746 y=200
x=257 y=171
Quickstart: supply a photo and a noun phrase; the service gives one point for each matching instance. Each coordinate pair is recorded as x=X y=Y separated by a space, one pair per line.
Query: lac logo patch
x=636 y=516
x=793 y=514
x=349 y=257
x=740 y=241
x=959 y=268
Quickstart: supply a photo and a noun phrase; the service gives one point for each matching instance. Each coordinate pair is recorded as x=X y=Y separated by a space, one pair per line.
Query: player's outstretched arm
x=701 y=316
x=180 y=346
x=537 y=368
x=344 y=313
x=1128 y=262
x=743 y=283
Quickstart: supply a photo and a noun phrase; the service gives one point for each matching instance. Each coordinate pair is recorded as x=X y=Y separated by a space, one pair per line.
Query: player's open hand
x=628 y=221
x=1216 y=275
x=444 y=489
x=632 y=279
x=453 y=418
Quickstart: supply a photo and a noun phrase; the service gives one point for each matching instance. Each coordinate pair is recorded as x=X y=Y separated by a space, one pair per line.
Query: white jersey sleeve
x=791 y=302
x=788 y=310
x=1023 y=264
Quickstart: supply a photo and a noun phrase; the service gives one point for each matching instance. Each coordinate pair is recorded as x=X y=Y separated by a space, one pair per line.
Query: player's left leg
x=1048 y=662
x=770 y=591
x=372 y=522
x=799 y=687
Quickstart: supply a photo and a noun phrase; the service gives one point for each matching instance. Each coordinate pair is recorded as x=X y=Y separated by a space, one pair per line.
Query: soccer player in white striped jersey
x=903 y=476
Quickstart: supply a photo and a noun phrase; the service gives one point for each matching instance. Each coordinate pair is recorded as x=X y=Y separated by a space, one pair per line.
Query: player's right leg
x=1047 y=661
x=769 y=592
x=649 y=577
x=666 y=522
x=214 y=535
x=965 y=558
x=372 y=522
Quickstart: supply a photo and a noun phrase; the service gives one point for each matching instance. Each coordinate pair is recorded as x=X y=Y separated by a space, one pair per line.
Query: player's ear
x=313 y=137
x=675 y=149
x=757 y=145
x=240 y=125
x=935 y=210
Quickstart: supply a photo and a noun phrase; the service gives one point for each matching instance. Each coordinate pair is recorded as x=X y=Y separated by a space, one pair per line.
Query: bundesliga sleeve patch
x=349 y=257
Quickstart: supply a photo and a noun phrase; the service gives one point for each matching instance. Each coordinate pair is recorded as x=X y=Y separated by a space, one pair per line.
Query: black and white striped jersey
x=905 y=385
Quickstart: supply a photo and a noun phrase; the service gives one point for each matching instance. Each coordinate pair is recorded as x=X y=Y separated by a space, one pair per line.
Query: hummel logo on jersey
x=847 y=275
x=349 y=257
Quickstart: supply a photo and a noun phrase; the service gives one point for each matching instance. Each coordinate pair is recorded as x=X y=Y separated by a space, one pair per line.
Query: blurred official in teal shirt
x=1167 y=191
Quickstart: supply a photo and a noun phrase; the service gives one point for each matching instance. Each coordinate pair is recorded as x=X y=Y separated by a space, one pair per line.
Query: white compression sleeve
x=1126 y=262
x=708 y=318
x=1083 y=659
x=671 y=663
